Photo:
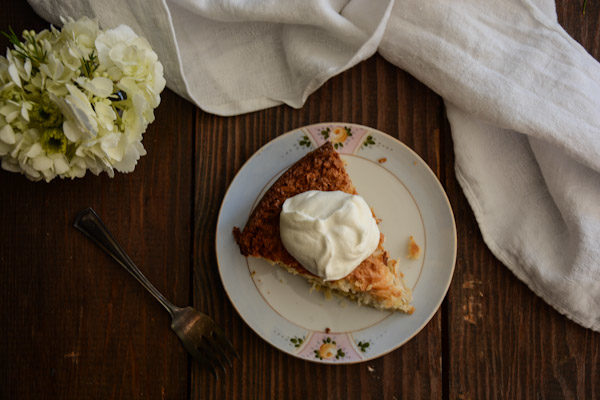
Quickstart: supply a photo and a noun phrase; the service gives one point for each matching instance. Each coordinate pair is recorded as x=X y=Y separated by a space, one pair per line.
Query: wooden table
x=74 y=325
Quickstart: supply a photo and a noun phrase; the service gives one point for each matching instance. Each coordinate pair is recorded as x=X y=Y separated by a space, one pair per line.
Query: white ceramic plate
x=402 y=191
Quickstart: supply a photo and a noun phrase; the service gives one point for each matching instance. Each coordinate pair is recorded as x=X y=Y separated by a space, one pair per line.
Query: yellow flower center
x=327 y=350
x=339 y=135
x=54 y=141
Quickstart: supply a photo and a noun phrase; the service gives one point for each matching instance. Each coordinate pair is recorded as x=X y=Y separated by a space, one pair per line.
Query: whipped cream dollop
x=329 y=233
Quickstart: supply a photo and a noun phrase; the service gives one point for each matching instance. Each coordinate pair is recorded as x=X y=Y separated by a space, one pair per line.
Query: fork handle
x=90 y=224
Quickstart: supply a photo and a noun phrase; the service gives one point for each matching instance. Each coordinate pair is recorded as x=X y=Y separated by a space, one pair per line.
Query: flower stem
x=34 y=52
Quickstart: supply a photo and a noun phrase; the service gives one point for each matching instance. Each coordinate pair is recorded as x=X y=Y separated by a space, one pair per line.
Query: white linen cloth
x=522 y=97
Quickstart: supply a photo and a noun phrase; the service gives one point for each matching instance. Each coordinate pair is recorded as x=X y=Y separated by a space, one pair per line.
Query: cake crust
x=321 y=169
x=374 y=282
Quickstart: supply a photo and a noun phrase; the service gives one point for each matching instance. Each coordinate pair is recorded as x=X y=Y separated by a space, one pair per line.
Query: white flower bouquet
x=76 y=99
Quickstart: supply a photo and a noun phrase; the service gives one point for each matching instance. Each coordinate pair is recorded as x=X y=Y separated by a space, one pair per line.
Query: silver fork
x=201 y=337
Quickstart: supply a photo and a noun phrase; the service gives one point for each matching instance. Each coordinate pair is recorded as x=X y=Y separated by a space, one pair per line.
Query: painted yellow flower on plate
x=339 y=135
x=327 y=350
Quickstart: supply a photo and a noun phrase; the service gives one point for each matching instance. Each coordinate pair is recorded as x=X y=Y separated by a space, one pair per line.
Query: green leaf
x=90 y=64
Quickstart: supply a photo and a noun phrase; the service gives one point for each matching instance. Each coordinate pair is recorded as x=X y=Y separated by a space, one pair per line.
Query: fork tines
x=217 y=351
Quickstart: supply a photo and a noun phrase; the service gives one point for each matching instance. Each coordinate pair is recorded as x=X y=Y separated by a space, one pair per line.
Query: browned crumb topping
x=321 y=169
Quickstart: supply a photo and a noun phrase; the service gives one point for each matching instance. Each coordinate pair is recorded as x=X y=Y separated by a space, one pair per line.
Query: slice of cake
x=375 y=281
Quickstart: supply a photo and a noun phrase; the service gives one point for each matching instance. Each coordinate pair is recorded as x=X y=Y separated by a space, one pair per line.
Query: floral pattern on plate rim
x=346 y=139
x=329 y=347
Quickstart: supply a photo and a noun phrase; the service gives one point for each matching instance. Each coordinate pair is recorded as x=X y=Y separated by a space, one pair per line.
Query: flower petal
x=12 y=116
x=7 y=135
x=105 y=114
x=10 y=165
x=4 y=149
x=14 y=74
x=99 y=86
x=60 y=164
x=27 y=67
x=102 y=87
x=41 y=163
x=71 y=131
x=34 y=151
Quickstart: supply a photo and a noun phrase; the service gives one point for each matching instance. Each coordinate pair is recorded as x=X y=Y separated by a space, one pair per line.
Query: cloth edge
x=508 y=261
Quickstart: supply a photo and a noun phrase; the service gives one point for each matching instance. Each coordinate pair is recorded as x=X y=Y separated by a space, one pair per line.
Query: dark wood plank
x=505 y=342
x=373 y=93
x=74 y=324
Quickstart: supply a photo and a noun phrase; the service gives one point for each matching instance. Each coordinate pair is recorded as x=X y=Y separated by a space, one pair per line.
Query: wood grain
x=73 y=323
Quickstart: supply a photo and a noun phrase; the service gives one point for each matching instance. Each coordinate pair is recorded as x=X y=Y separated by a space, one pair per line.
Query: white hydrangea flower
x=77 y=99
x=134 y=58
x=82 y=32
